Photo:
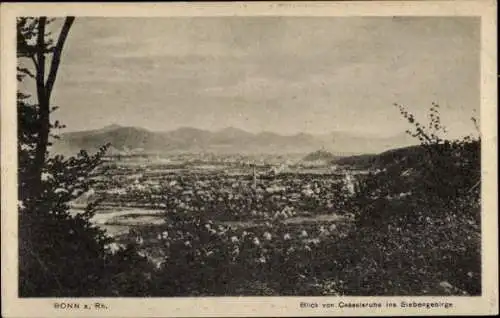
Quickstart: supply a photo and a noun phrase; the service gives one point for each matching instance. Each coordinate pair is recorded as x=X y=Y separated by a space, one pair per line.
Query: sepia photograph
x=208 y=156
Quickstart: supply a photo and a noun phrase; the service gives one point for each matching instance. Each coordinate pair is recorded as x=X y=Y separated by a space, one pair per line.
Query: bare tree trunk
x=43 y=105
x=56 y=59
x=32 y=191
x=44 y=91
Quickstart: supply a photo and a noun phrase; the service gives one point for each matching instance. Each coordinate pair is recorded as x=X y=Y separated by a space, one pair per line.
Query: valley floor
x=217 y=233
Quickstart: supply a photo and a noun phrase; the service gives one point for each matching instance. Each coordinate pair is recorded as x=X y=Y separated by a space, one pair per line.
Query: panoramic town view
x=249 y=156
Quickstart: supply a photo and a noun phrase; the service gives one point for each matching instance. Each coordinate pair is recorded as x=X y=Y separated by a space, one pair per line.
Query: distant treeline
x=408 y=155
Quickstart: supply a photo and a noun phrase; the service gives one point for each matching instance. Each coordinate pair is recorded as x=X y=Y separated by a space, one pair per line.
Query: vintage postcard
x=249 y=159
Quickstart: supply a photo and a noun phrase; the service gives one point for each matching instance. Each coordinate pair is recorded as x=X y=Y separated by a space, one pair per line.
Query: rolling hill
x=320 y=155
x=228 y=140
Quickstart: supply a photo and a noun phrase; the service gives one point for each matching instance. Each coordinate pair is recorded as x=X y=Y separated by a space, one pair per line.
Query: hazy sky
x=286 y=75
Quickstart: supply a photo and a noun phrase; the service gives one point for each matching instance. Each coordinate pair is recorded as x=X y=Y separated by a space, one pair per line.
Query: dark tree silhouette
x=60 y=254
x=423 y=211
x=28 y=29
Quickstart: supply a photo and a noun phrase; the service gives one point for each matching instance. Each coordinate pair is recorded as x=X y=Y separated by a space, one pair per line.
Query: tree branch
x=33 y=58
x=40 y=58
x=56 y=59
x=475 y=186
x=43 y=114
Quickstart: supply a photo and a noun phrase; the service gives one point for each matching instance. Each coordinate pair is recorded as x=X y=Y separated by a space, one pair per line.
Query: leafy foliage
x=425 y=212
x=201 y=258
x=60 y=253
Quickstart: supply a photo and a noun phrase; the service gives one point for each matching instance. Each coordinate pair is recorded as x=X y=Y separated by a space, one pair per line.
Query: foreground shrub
x=418 y=221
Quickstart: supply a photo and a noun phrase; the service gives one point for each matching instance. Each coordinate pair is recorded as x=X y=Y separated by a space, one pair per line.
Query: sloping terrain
x=228 y=140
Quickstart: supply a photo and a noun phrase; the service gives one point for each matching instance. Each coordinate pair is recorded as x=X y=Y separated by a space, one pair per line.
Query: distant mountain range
x=225 y=141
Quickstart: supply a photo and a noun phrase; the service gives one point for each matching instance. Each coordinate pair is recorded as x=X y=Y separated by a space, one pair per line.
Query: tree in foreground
x=60 y=254
x=419 y=219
